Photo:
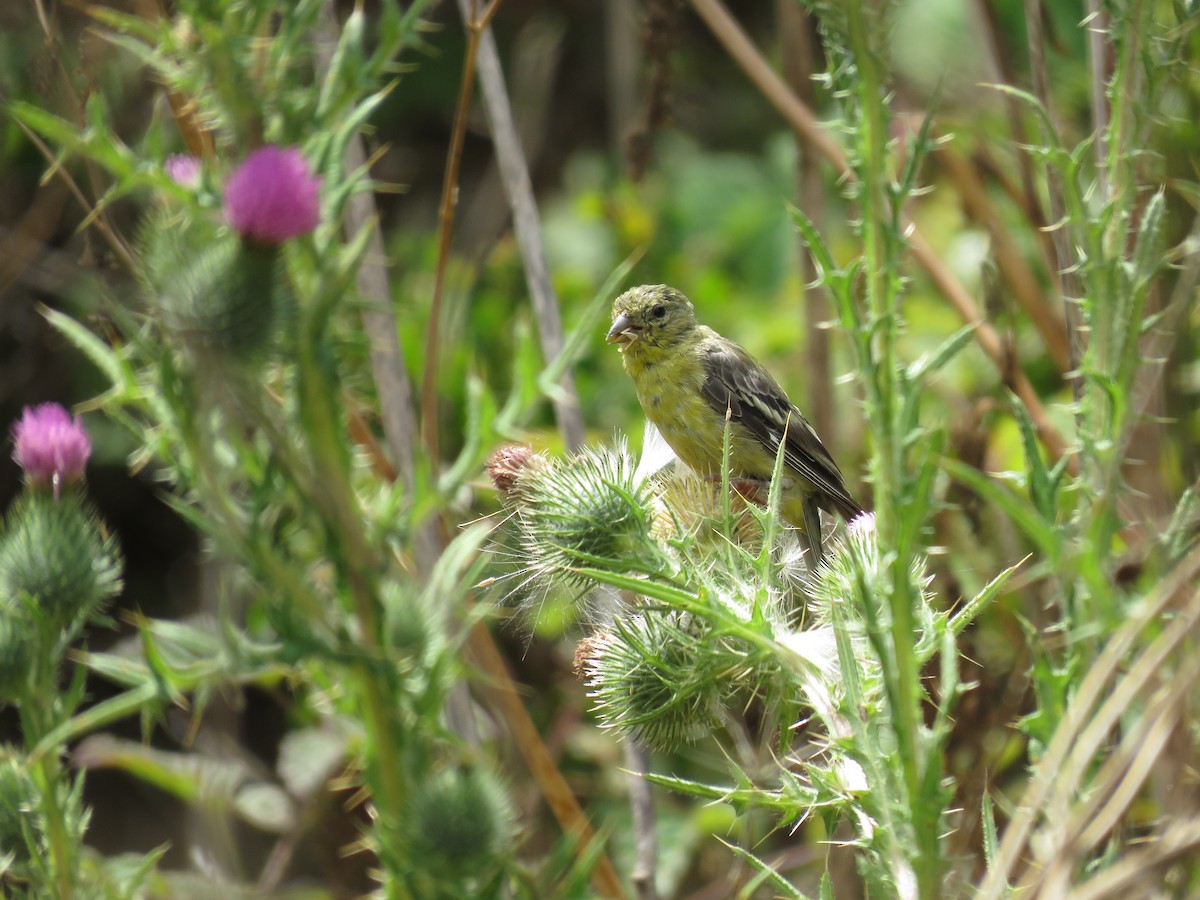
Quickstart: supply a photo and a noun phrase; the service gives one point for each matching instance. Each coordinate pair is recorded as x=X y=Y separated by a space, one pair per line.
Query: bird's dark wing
x=735 y=382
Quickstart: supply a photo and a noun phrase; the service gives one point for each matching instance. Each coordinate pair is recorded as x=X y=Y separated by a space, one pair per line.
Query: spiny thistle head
x=50 y=446
x=852 y=568
x=458 y=822
x=221 y=297
x=55 y=556
x=272 y=197
x=854 y=576
x=651 y=675
x=585 y=512
x=410 y=624
x=692 y=505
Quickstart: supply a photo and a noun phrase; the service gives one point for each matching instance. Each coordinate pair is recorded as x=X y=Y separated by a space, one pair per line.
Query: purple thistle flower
x=183 y=169
x=50 y=446
x=272 y=196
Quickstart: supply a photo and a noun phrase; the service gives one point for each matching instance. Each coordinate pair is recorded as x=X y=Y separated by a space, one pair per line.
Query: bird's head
x=650 y=317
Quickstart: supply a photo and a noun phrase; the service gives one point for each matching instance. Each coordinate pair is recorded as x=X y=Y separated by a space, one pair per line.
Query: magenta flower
x=272 y=196
x=183 y=169
x=50 y=446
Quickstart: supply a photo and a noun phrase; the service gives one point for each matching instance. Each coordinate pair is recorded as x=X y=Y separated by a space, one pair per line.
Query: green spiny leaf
x=969 y=610
x=823 y=263
x=109 y=361
x=346 y=65
x=766 y=873
x=991 y=840
x=919 y=149
x=1147 y=252
x=1043 y=486
x=935 y=360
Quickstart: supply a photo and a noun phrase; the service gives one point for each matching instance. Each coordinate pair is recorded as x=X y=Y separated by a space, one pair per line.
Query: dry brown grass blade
x=773 y=88
x=1116 y=787
x=446 y=210
x=1024 y=195
x=389 y=371
x=1091 y=739
x=1142 y=868
x=645 y=837
x=1087 y=722
x=97 y=213
x=997 y=350
x=514 y=174
x=388 y=368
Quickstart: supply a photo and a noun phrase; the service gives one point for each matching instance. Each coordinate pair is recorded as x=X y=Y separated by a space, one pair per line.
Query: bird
x=692 y=381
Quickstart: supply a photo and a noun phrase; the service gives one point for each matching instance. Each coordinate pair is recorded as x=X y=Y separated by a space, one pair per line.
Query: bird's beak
x=623 y=331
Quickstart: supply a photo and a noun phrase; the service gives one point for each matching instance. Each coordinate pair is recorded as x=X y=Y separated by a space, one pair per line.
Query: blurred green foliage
x=711 y=217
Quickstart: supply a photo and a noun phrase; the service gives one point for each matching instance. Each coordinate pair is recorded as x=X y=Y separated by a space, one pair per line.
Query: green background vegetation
x=706 y=210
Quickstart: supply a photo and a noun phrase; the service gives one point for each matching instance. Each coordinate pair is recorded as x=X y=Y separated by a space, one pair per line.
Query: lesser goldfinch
x=691 y=381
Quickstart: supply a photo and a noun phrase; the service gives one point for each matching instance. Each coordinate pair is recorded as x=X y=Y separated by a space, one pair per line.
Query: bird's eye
x=659 y=311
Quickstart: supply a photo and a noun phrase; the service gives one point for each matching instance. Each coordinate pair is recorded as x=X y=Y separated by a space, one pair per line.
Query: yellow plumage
x=691 y=380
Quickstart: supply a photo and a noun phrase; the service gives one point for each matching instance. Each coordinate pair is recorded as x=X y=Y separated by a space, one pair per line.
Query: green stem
x=36 y=721
x=887 y=407
x=334 y=495
x=49 y=774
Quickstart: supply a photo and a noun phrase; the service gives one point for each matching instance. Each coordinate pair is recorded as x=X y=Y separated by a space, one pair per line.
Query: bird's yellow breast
x=669 y=389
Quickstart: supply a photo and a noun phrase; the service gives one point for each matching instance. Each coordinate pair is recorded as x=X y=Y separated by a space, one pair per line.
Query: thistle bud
x=55 y=557
x=220 y=297
x=225 y=295
x=695 y=506
x=854 y=569
x=585 y=652
x=410 y=624
x=588 y=512
x=649 y=675
x=459 y=822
